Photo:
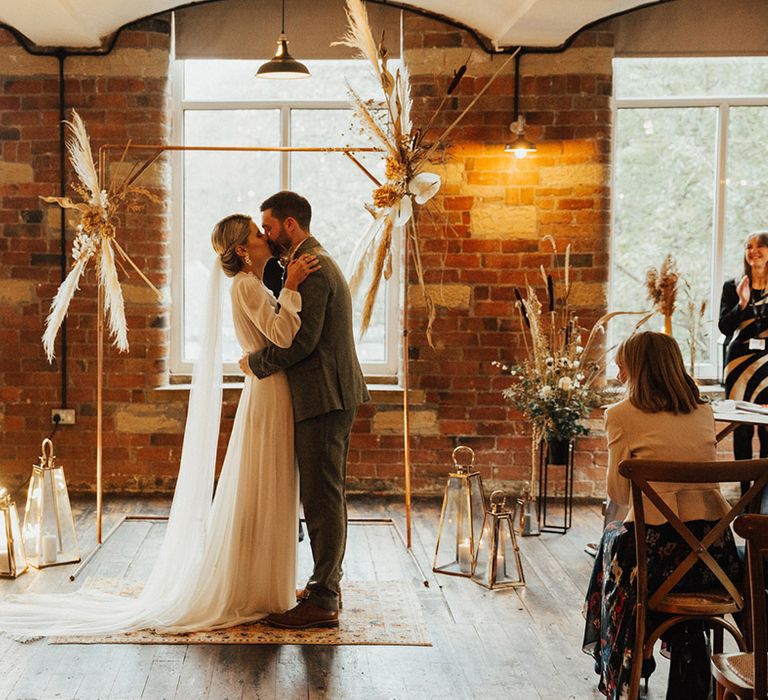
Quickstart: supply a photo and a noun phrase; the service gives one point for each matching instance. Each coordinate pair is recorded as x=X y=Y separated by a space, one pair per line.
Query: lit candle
x=49 y=549
x=500 y=573
x=465 y=557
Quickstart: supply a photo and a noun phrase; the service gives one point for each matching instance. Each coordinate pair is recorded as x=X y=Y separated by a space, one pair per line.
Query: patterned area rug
x=375 y=612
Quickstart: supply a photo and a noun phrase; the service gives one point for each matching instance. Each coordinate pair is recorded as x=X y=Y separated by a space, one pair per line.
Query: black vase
x=558 y=450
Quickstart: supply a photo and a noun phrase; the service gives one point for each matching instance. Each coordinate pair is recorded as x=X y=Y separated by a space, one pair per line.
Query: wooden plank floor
x=507 y=644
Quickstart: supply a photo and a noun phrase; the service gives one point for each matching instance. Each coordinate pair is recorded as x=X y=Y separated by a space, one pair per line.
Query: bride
x=231 y=559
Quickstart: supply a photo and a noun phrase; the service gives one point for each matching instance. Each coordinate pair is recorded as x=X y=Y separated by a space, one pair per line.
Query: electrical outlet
x=66 y=416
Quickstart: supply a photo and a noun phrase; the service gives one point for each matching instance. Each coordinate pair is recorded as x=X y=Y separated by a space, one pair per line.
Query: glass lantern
x=493 y=565
x=13 y=562
x=49 y=529
x=461 y=516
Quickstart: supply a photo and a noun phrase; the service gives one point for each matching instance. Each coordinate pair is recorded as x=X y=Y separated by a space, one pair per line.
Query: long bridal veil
x=174 y=581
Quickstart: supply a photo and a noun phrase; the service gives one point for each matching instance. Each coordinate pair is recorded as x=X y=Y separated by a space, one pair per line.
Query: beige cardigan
x=636 y=434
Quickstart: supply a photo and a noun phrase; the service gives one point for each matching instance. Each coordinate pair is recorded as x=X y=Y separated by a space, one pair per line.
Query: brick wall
x=497 y=209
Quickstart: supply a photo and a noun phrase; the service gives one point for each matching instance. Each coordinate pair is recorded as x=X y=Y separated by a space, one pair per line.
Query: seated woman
x=661 y=417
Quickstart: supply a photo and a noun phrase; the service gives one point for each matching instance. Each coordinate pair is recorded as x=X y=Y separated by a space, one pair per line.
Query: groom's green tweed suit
x=327 y=386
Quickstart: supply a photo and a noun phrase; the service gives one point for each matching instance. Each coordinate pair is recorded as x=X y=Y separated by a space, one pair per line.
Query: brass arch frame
x=155 y=152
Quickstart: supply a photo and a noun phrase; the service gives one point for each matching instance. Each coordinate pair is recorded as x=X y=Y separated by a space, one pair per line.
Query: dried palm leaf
x=113 y=297
x=60 y=305
x=67 y=203
x=360 y=260
x=359 y=34
x=382 y=252
x=370 y=124
x=80 y=156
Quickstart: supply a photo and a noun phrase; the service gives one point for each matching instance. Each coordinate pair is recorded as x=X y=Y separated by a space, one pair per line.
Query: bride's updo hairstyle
x=230 y=232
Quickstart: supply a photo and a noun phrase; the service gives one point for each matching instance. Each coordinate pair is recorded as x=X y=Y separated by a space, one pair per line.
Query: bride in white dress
x=231 y=559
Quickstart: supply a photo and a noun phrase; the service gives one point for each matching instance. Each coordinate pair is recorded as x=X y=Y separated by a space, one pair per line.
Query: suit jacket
x=636 y=434
x=322 y=366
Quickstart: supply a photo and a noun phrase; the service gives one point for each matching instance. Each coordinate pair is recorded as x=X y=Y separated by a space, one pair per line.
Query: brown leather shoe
x=303 y=594
x=305 y=614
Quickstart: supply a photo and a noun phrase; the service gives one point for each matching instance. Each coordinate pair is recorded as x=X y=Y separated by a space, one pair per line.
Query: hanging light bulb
x=520 y=146
x=282 y=66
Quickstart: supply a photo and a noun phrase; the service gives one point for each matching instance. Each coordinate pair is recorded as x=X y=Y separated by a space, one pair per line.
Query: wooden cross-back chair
x=745 y=675
x=708 y=606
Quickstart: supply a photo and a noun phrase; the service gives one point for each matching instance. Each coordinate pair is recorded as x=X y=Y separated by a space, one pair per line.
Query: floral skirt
x=610 y=604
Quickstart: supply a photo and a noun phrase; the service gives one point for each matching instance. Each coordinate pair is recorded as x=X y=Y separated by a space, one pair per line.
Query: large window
x=221 y=103
x=690 y=178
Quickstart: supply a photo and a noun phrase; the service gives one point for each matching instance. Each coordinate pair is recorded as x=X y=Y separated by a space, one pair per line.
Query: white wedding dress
x=225 y=561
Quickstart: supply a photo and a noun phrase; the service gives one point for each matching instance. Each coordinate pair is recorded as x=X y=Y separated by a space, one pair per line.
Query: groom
x=327 y=386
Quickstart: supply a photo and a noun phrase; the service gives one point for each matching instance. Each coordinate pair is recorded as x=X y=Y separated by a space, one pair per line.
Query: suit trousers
x=322 y=444
x=742 y=445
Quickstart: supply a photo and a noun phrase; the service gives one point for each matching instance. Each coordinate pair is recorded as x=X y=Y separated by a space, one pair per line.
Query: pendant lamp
x=282 y=66
x=521 y=146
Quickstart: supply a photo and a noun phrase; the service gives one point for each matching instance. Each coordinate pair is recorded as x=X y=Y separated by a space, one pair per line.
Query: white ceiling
x=85 y=23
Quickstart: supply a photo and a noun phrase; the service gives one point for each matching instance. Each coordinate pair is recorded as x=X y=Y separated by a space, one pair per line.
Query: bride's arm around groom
x=327 y=385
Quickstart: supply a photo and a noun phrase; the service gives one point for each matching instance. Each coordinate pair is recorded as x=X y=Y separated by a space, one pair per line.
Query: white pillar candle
x=500 y=574
x=49 y=546
x=465 y=557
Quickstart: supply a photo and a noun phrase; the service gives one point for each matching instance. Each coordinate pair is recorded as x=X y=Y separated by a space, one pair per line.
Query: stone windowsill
x=380 y=392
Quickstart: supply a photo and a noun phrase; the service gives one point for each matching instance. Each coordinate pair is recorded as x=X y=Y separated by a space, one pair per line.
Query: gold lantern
x=497 y=548
x=13 y=562
x=49 y=529
x=461 y=516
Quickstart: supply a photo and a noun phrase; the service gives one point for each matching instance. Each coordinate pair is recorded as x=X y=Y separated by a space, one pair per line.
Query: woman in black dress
x=744 y=322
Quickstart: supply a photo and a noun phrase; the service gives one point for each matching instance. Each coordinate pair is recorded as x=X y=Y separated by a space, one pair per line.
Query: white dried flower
x=545 y=392
x=83 y=245
x=565 y=383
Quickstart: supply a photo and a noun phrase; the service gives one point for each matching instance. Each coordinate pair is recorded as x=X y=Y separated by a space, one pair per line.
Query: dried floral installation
x=407 y=156
x=661 y=285
x=695 y=324
x=95 y=237
x=557 y=383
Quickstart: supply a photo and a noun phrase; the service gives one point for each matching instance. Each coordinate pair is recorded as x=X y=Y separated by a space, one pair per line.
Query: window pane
x=234 y=80
x=217 y=184
x=691 y=77
x=746 y=183
x=338 y=191
x=663 y=203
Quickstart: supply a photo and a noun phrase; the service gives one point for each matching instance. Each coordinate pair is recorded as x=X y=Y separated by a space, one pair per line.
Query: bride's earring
x=247 y=260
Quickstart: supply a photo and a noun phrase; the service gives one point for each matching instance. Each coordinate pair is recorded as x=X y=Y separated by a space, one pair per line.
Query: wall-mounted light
x=520 y=146
x=282 y=66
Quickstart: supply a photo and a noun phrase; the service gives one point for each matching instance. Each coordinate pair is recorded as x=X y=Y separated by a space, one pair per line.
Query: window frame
x=709 y=370
x=384 y=372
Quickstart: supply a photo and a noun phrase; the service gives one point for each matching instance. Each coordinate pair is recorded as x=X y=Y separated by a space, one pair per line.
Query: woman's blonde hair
x=656 y=376
x=762 y=237
x=230 y=232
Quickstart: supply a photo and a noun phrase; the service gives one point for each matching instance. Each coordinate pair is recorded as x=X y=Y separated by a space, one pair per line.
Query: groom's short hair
x=285 y=204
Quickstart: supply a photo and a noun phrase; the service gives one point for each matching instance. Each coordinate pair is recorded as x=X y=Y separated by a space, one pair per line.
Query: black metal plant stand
x=563 y=517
